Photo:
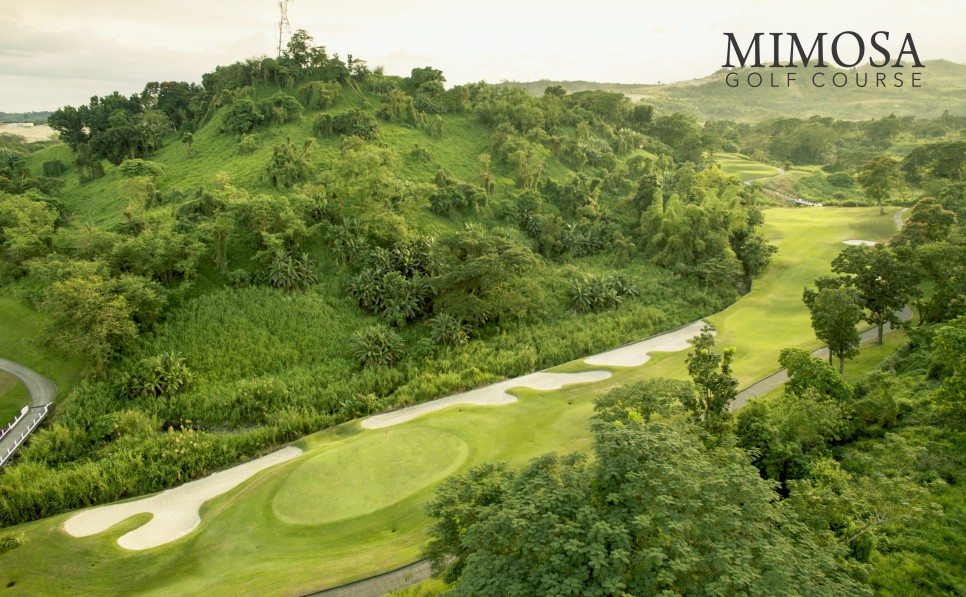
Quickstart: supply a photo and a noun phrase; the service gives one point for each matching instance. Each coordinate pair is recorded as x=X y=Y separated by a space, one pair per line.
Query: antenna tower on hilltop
x=283 y=24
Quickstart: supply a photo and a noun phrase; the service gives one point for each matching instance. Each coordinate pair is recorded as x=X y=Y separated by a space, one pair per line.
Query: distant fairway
x=353 y=505
x=744 y=167
x=367 y=474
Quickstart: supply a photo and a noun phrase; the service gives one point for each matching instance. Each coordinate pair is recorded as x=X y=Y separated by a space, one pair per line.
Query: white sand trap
x=638 y=353
x=862 y=243
x=175 y=510
x=492 y=395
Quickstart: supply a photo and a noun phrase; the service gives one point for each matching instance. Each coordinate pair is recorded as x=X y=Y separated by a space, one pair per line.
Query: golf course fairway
x=352 y=505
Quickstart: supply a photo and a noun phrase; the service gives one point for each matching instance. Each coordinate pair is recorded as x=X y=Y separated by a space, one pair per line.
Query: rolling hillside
x=943 y=89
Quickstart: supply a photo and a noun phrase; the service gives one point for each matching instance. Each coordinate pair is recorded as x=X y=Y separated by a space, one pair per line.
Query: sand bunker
x=632 y=355
x=492 y=395
x=638 y=353
x=175 y=510
x=857 y=242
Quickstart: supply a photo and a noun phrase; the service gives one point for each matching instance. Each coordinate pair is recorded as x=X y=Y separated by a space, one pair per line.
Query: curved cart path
x=41 y=394
x=778 y=378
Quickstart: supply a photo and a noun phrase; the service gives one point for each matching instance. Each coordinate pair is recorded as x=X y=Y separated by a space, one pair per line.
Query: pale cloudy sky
x=57 y=52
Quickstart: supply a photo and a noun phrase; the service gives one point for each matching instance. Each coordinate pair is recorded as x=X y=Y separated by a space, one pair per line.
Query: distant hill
x=943 y=88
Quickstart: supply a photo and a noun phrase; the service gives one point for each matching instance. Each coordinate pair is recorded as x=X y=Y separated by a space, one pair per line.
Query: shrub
x=317 y=95
x=454 y=195
x=162 y=375
x=138 y=167
x=323 y=125
x=11 y=541
x=355 y=122
x=291 y=273
x=242 y=117
x=54 y=168
x=280 y=108
x=247 y=145
x=840 y=179
x=593 y=293
x=444 y=329
x=377 y=346
x=383 y=85
x=253 y=400
x=239 y=278
x=288 y=164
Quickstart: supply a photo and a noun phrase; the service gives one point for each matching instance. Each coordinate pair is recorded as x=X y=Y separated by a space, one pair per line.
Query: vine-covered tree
x=484 y=277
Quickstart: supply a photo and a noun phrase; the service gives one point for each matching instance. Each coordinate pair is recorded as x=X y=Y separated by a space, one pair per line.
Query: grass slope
x=18 y=342
x=13 y=397
x=243 y=548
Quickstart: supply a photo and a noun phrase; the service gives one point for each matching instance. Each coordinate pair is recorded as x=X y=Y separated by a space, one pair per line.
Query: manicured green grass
x=744 y=167
x=871 y=355
x=367 y=473
x=13 y=397
x=21 y=327
x=426 y=588
x=243 y=548
x=773 y=314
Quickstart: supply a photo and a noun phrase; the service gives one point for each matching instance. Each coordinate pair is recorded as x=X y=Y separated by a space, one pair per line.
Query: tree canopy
x=653 y=513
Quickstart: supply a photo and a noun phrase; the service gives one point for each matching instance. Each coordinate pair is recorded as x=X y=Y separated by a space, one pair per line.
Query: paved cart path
x=41 y=394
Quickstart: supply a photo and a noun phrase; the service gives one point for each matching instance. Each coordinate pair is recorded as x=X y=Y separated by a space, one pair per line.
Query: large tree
x=885 y=282
x=835 y=313
x=653 y=513
x=484 y=277
x=807 y=374
x=89 y=318
x=877 y=178
x=943 y=265
x=928 y=221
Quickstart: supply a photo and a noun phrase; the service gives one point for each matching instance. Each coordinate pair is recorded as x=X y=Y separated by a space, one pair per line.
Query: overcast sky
x=58 y=52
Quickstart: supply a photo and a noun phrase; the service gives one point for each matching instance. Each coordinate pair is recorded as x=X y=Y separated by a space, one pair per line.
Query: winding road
x=41 y=392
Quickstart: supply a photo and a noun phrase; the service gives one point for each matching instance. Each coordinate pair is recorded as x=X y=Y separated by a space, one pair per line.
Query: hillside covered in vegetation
x=299 y=241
